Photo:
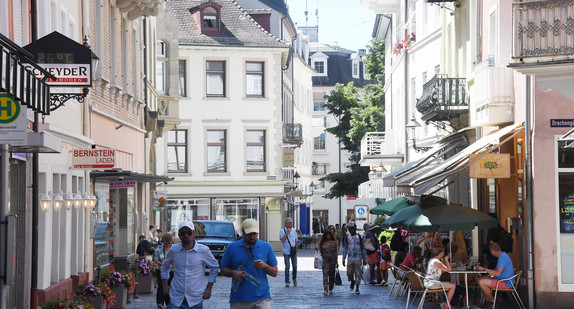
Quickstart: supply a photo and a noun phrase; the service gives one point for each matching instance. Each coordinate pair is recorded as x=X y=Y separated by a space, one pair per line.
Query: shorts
x=373 y=258
x=385 y=265
x=501 y=285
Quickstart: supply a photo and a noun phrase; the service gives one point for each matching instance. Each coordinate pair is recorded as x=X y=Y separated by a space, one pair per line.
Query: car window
x=213 y=229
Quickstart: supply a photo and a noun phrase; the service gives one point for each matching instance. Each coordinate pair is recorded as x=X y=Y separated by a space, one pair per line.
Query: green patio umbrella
x=451 y=217
x=399 y=218
x=390 y=207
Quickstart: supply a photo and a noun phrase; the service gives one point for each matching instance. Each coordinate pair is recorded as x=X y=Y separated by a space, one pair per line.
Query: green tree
x=358 y=112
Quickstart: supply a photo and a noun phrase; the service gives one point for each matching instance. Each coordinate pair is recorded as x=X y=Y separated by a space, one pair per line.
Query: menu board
x=566 y=206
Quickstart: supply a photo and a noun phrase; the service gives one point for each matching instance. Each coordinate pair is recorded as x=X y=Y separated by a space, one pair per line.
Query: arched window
x=210 y=18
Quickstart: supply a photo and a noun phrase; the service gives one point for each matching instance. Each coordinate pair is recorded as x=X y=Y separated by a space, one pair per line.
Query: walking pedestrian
x=329 y=248
x=160 y=255
x=288 y=237
x=251 y=259
x=355 y=250
x=190 y=259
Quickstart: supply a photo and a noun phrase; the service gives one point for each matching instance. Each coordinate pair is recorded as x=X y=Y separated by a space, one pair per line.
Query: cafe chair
x=416 y=285
x=398 y=274
x=511 y=290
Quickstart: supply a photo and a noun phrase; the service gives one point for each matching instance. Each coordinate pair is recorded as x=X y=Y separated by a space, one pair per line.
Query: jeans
x=293 y=259
x=184 y=305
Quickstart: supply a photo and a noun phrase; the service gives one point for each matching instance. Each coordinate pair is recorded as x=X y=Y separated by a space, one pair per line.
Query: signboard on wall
x=494 y=165
x=13 y=121
x=122 y=184
x=288 y=157
x=69 y=61
x=93 y=158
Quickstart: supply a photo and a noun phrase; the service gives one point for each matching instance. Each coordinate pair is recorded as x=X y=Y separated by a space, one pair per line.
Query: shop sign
x=13 y=121
x=158 y=201
x=288 y=157
x=122 y=184
x=567 y=213
x=93 y=158
x=494 y=165
x=66 y=59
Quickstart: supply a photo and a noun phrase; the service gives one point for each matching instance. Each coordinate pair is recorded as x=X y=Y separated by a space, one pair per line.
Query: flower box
x=145 y=283
x=96 y=301
x=121 y=292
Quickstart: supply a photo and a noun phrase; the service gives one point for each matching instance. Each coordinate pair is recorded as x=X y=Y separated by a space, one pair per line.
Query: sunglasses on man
x=186 y=232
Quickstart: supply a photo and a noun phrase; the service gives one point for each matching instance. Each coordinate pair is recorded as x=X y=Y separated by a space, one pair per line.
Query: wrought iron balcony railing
x=543 y=29
x=293 y=132
x=443 y=98
x=319 y=169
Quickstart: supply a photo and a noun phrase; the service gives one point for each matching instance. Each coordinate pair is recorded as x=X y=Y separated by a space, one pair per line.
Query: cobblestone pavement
x=308 y=293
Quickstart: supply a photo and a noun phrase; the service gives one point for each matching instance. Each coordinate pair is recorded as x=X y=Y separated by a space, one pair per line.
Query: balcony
x=380 y=147
x=443 y=99
x=543 y=46
x=493 y=94
x=293 y=133
x=319 y=169
x=543 y=30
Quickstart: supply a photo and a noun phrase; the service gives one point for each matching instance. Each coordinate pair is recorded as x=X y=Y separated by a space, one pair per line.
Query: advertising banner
x=158 y=201
x=494 y=165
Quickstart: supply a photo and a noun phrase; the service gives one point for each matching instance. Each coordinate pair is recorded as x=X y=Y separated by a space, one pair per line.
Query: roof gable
x=237 y=26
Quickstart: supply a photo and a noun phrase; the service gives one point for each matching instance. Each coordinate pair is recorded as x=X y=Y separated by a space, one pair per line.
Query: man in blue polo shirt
x=249 y=261
x=504 y=270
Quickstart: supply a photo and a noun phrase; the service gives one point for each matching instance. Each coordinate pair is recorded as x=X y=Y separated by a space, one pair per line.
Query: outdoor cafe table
x=466 y=272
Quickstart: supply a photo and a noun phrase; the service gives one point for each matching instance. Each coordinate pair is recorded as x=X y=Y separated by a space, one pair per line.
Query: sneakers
x=325 y=293
x=384 y=283
x=331 y=292
x=357 y=291
x=352 y=285
x=294 y=282
x=286 y=284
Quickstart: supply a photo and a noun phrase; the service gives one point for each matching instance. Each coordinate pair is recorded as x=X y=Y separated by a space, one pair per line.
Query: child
x=385 y=261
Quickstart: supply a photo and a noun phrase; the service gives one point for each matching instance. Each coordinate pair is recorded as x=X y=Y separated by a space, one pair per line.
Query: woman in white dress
x=434 y=271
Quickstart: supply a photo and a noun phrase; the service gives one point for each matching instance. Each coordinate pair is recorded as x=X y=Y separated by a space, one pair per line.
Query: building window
x=319 y=143
x=215 y=78
x=182 y=78
x=216 y=151
x=355 y=70
x=254 y=79
x=319 y=106
x=255 y=150
x=210 y=18
x=177 y=151
x=161 y=67
x=320 y=122
x=319 y=67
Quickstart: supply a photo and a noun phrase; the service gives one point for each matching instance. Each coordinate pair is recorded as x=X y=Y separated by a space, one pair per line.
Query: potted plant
x=397 y=48
x=119 y=284
x=98 y=295
x=144 y=270
x=408 y=41
x=67 y=304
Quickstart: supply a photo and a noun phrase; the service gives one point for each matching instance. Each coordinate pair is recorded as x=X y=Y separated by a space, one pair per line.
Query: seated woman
x=434 y=271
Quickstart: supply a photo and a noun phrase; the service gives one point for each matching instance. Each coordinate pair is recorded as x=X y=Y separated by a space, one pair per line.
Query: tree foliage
x=358 y=111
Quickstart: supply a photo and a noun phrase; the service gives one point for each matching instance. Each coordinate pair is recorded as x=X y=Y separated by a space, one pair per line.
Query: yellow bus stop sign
x=9 y=109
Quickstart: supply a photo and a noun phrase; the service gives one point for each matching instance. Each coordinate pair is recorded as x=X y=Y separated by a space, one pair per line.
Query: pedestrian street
x=309 y=292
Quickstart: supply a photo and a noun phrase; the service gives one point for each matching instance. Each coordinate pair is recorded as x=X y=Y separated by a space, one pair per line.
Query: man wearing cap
x=252 y=258
x=189 y=259
x=354 y=249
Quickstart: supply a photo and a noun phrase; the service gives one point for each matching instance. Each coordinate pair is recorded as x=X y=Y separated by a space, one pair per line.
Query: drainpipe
x=529 y=206
x=35 y=169
x=406 y=83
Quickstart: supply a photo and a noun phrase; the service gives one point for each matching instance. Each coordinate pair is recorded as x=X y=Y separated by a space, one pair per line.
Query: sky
x=341 y=22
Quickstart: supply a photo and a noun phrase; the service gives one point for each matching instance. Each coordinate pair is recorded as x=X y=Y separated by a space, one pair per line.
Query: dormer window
x=210 y=18
x=319 y=63
x=207 y=16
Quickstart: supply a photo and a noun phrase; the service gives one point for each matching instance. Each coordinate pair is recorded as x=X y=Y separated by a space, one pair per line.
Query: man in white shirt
x=288 y=237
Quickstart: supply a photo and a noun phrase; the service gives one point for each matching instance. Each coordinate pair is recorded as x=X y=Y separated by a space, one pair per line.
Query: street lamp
x=58 y=201
x=69 y=198
x=45 y=202
x=77 y=200
x=412 y=133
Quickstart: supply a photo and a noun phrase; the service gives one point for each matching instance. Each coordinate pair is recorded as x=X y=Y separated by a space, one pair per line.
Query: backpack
x=505 y=240
x=459 y=296
x=385 y=252
x=396 y=241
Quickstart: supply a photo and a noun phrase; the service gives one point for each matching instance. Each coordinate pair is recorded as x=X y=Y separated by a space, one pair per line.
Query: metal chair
x=511 y=289
x=416 y=285
x=399 y=275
